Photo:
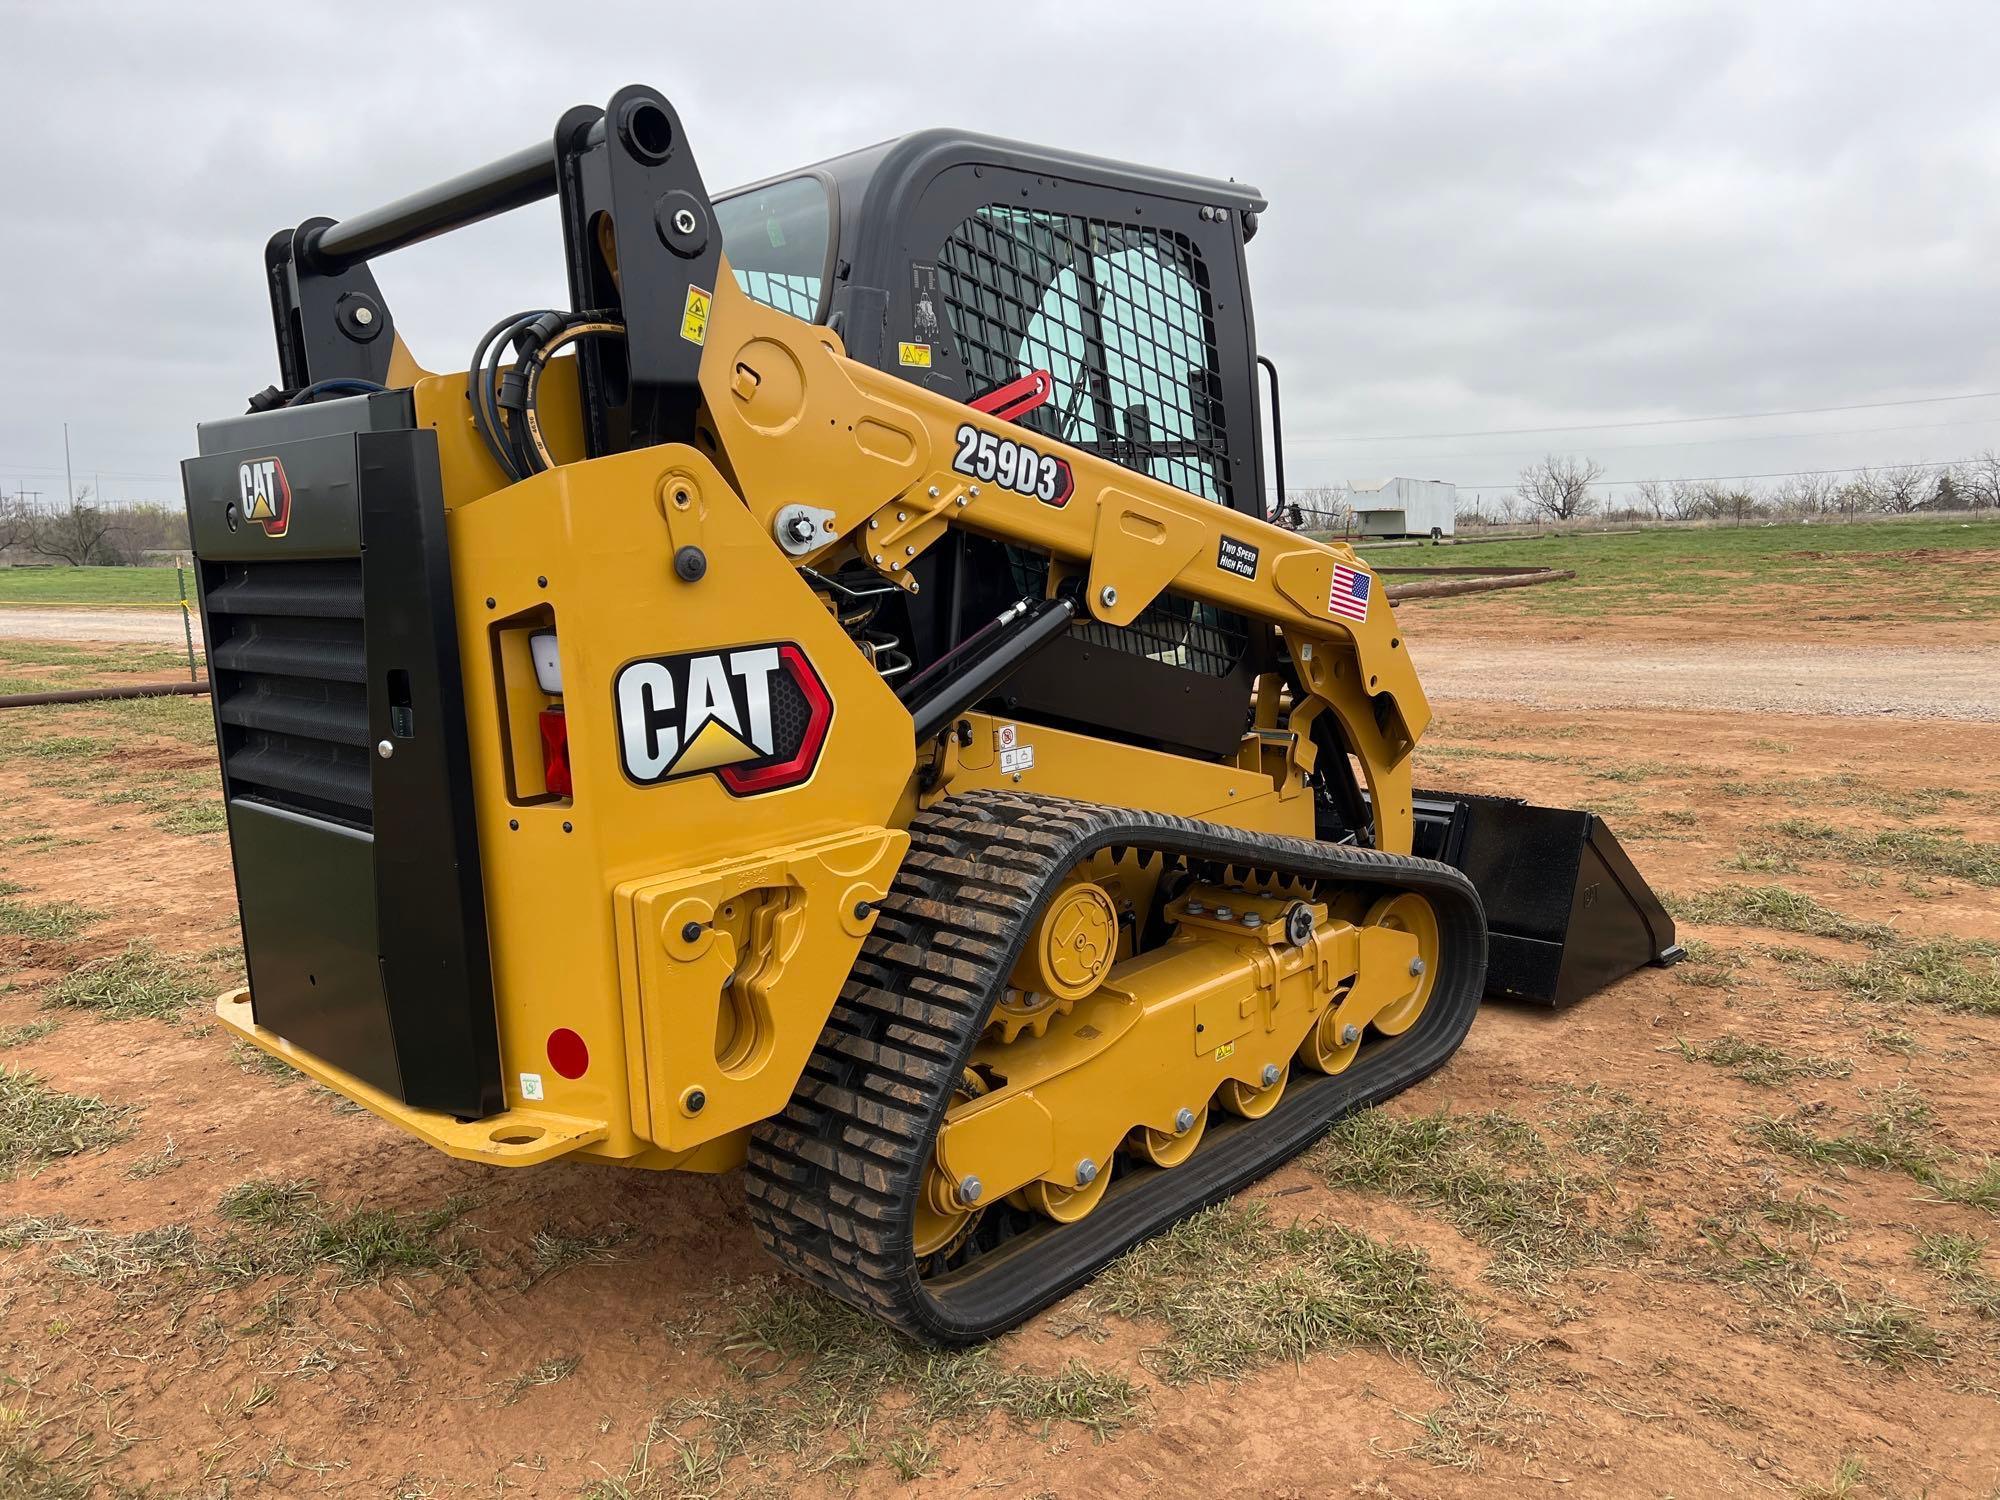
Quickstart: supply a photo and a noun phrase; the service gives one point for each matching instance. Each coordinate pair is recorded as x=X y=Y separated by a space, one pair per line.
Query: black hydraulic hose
x=479 y=388
x=1003 y=651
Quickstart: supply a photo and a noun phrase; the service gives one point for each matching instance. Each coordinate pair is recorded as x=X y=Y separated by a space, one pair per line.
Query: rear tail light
x=555 y=752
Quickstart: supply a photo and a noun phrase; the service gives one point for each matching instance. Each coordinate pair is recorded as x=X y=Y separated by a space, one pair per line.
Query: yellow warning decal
x=694 y=321
x=918 y=355
x=1226 y=1050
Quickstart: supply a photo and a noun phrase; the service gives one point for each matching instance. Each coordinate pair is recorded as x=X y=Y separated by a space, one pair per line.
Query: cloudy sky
x=1587 y=220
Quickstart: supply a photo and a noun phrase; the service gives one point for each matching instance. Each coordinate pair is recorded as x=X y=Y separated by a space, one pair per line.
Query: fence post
x=187 y=614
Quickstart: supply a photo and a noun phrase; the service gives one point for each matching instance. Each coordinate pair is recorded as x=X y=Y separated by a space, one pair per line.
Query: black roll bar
x=527 y=176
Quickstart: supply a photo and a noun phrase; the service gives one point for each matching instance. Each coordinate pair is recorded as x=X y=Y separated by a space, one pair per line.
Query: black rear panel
x=291 y=684
x=325 y=581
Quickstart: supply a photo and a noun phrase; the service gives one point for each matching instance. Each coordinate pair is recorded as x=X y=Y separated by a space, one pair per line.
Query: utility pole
x=68 y=477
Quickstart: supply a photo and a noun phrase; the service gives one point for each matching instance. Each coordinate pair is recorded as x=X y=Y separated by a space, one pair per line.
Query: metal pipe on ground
x=1447 y=588
x=106 y=694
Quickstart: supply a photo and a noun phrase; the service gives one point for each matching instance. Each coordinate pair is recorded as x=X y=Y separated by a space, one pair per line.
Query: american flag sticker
x=1348 y=597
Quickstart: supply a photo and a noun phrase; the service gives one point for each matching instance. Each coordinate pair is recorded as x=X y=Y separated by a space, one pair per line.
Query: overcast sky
x=1482 y=217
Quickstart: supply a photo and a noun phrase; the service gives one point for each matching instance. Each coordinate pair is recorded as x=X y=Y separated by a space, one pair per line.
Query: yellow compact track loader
x=829 y=703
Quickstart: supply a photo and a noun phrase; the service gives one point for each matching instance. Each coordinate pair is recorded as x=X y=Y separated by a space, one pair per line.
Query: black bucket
x=1566 y=913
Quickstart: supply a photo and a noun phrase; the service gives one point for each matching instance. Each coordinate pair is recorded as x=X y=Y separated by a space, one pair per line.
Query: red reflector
x=567 y=1053
x=555 y=753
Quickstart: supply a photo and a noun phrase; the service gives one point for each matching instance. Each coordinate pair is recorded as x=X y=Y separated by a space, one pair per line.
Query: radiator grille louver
x=290 y=672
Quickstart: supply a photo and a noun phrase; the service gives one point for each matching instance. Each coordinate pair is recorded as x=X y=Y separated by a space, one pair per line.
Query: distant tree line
x=83 y=533
x=1566 y=487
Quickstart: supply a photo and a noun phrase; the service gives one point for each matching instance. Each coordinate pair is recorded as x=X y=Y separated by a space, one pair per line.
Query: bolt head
x=384 y=749
x=1086 y=1172
x=1252 y=919
x=1107 y=596
x=1184 y=1121
x=684 y=220
x=1416 y=967
x=1349 y=1034
x=799 y=528
x=970 y=1189
x=903 y=515
x=1224 y=914
x=690 y=932
x=1270 y=1074
x=364 y=315
x=1195 y=908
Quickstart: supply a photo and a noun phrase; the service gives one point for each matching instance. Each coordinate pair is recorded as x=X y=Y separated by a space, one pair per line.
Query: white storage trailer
x=1402 y=507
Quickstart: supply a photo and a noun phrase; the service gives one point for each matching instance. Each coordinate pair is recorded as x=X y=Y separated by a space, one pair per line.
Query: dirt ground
x=1723 y=1229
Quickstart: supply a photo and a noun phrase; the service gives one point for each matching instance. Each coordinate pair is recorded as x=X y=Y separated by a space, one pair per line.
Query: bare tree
x=80 y=534
x=1559 y=486
x=1982 y=481
x=1902 y=488
x=1686 y=501
x=1806 y=495
x=15 y=522
x=1652 y=496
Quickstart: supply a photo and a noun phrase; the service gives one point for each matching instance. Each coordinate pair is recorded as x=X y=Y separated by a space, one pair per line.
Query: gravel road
x=1755 y=677
x=129 y=626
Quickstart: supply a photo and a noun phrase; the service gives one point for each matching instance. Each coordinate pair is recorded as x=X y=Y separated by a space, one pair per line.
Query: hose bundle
x=503 y=399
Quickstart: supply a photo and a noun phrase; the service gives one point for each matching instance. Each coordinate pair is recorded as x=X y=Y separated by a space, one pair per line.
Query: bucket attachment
x=1566 y=912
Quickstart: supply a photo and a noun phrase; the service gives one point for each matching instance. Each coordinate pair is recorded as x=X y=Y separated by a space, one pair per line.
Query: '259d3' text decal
x=1013 y=465
x=756 y=716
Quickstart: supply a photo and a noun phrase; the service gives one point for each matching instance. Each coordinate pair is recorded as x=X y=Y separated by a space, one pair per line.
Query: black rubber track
x=833 y=1180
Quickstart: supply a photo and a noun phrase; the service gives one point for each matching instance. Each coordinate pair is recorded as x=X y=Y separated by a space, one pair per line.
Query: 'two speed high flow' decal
x=755 y=716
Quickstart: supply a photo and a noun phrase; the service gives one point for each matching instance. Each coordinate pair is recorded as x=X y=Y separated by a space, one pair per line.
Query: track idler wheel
x=1067 y=1205
x=1169 y=1148
x=1254 y=1101
x=947 y=1210
x=1411 y=913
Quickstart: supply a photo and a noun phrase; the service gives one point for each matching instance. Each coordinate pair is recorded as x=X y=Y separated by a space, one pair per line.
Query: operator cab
x=974 y=266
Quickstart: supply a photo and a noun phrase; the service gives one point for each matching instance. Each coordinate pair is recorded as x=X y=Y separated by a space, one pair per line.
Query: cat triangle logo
x=713 y=746
x=754 y=717
x=264 y=495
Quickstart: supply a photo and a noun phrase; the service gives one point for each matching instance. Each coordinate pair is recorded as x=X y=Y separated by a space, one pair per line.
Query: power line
x=1739 y=416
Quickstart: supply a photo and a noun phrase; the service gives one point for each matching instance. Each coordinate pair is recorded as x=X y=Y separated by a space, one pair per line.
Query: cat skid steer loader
x=828 y=703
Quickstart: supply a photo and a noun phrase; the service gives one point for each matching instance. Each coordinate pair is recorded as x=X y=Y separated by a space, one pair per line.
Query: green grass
x=1497 y=1180
x=63 y=585
x=1919 y=851
x=44 y=919
x=1953 y=974
x=32 y=1031
x=1236 y=1292
x=39 y=1124
x=1896 y=1134
x=280 y=1229
x=1772 y=906
x=1762 y=1064
x=297 y=1231
x=138 y=983
x=1878 y=1331
x=1664 y=571
x=817 y=1388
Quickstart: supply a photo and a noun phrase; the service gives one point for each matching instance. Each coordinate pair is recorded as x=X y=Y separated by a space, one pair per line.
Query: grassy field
x=1936 y=564
x=87 y=586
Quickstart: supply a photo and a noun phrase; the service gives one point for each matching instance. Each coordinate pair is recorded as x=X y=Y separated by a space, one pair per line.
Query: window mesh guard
x=1120 y=316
